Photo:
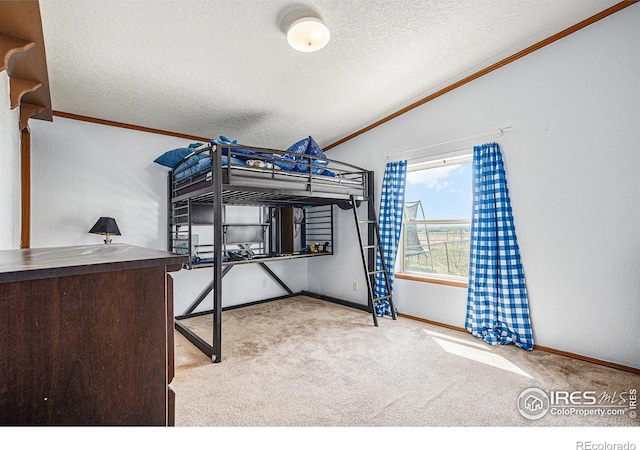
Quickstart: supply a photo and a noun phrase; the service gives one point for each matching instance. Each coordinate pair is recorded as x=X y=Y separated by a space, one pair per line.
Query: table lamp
x=106 y=226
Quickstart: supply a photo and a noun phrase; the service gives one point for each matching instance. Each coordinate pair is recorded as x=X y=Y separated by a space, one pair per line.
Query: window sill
x=427 y=279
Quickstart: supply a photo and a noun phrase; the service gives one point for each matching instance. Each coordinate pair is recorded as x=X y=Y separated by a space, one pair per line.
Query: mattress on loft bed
x=288 y=180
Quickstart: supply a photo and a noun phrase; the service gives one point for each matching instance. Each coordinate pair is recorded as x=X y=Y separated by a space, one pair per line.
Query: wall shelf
x=22 y=55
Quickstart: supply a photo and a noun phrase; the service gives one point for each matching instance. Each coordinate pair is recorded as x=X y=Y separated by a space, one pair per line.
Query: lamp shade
x=308 y=34
x=106 y=226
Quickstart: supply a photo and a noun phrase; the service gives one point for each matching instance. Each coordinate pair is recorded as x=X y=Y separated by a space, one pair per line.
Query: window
x=437 y=219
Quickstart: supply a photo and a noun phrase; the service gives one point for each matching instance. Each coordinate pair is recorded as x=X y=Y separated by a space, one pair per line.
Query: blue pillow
x=173 y=157
x=191 y=165
x=314 y=149
x=300 y=146
x=321 y=163
x=307 y=146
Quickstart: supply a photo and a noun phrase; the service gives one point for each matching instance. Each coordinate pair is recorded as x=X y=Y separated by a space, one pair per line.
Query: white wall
x=573 y=168
x=10 y=202
x=82 y=171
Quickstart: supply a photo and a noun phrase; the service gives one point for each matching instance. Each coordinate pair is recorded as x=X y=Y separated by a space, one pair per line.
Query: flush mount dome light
x=308 y=34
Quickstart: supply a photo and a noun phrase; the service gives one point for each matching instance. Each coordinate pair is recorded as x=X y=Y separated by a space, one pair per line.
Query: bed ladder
x=368 y=251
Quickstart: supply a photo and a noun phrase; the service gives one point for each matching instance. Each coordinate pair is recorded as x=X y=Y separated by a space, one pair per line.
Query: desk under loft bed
x=291 y=198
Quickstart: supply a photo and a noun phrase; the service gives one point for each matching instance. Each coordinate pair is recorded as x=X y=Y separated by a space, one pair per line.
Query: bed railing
x=264 y=169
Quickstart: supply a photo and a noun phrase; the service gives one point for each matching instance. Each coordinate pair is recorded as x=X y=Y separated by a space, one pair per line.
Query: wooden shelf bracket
x=18 y=87
x=10 y=46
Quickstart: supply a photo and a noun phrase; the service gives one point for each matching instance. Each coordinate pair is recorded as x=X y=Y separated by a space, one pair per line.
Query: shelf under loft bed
x=275 y=235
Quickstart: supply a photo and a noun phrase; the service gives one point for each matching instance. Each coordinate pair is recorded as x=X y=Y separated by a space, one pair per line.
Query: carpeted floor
x=303 y=362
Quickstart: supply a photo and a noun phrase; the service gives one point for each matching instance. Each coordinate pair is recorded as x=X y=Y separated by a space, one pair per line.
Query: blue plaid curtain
x=390 y=225
x=497 y=306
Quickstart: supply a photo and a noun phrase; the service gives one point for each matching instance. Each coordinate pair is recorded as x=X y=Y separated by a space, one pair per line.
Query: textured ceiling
x=211 y=67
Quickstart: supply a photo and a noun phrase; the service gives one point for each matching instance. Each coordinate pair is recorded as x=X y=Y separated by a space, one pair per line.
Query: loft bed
x=250 y=175
x=254 y=205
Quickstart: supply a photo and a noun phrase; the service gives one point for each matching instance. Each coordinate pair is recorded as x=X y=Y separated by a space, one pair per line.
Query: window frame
x=454 y=158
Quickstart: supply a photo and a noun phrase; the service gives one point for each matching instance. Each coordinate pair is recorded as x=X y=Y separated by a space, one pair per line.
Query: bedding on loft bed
x=303 y=167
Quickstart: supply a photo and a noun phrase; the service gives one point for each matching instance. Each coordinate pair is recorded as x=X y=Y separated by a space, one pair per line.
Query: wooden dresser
x=87 y=335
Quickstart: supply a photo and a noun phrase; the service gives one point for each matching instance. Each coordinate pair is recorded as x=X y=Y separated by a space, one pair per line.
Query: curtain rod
x=500 y=131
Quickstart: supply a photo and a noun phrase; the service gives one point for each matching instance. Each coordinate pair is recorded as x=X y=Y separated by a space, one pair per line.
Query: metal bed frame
x=216 y=185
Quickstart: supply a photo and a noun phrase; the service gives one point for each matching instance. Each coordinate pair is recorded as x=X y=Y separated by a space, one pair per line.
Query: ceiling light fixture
x=308 y=34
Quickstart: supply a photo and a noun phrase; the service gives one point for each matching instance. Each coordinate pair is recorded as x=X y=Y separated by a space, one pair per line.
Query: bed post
x=218 y=253
x=169 y=214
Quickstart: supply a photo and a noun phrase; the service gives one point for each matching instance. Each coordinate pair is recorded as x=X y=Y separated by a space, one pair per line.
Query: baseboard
x=588 y=359
x=538 y=347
